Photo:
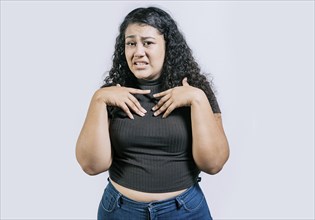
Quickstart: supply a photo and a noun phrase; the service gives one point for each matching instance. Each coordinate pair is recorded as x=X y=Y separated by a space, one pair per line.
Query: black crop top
x=151 y=154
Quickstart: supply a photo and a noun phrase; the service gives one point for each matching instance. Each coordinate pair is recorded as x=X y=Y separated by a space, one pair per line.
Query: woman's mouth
x=140 y=64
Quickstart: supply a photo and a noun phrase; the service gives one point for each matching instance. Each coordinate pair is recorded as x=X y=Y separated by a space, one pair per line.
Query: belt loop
x=119 y=201
x=179 y=202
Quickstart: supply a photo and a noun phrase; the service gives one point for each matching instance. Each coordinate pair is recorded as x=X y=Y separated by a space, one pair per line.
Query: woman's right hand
x=122 y=97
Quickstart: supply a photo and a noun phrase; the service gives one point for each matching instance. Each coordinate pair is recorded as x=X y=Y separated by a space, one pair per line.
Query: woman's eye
x=147 y=43
x=130 y=44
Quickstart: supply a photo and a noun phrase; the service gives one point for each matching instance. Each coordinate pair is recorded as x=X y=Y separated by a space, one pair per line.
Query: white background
x=54 y=55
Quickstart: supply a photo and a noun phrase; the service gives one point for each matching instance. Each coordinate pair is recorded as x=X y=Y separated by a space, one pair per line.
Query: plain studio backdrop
x=55 y=54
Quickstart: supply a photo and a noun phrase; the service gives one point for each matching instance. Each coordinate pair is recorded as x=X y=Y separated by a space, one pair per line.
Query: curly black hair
x=179 y=61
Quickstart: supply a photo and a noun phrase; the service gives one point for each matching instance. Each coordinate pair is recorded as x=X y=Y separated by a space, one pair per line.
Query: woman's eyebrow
x=143 y=38
x=130 y=36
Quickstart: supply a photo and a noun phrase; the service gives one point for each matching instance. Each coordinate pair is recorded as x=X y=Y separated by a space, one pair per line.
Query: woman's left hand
x=176 y=97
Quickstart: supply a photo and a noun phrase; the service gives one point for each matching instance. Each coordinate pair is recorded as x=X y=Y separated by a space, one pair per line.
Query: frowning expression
x=145 y=51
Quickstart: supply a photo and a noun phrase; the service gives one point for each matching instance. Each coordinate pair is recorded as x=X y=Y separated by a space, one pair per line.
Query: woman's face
x=145 y=51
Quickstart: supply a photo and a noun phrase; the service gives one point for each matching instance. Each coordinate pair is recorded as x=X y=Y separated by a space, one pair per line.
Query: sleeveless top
x=153 y=154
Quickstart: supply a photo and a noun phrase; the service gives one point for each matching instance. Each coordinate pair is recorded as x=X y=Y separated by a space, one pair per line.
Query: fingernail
x=153 y=109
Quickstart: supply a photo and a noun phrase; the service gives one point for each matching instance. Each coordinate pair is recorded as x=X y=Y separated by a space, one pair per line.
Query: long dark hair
x=179 y=61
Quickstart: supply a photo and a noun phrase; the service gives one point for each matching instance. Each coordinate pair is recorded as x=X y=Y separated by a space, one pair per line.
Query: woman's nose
x=140 y=52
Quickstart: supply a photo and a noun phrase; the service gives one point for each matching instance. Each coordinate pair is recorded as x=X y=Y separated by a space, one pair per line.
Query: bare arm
x=93 y=148
x=210 y=145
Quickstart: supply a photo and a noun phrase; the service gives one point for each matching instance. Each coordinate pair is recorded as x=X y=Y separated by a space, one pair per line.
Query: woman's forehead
x=139 y=29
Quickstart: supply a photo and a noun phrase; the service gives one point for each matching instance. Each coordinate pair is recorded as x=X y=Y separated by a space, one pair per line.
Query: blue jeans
x=189 y=205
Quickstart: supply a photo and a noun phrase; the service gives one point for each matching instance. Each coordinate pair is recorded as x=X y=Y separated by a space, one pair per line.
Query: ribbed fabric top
x=151 y=154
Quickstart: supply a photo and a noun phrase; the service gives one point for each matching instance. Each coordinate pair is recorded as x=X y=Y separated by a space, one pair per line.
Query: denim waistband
x=176 y=201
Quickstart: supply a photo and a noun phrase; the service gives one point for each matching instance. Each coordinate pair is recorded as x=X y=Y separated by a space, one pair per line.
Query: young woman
x=154 y=124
